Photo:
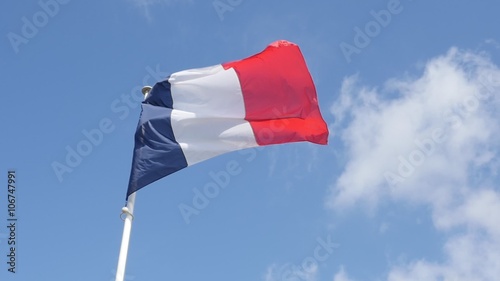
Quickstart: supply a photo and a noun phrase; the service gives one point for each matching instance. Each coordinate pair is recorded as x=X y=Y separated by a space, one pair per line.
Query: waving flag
x=197 y=114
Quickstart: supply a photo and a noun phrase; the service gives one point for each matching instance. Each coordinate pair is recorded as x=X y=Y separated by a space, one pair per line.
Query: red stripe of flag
x=279 y=95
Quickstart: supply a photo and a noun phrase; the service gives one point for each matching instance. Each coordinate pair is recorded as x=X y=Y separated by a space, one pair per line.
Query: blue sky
x=407 y=189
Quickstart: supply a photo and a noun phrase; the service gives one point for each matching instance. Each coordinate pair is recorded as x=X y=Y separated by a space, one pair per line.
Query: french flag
x=193 y=115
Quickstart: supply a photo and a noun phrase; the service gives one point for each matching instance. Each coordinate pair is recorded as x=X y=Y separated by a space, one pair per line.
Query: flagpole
x=128 y=210
x=127 y=228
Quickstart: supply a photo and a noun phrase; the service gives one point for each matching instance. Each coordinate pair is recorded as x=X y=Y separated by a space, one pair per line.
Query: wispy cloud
x=492 y=42
x=431 y=140
x=473 y=254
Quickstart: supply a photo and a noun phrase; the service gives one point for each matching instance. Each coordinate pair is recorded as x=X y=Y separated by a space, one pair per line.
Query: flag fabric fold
x=193 y=115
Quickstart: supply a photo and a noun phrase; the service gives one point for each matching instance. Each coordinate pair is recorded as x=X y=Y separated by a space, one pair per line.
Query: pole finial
x=146 y=89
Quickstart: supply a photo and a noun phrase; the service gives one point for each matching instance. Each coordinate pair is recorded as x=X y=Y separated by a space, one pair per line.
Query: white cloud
x=431 y=140
x=471 y=256
x=428 y=135
x=473 y=253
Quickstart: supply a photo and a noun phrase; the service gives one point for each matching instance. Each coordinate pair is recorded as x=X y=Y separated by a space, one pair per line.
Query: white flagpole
x=128 y=210
x=127 y=228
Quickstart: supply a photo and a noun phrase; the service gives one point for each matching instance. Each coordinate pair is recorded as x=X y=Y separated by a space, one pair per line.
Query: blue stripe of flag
x=155 y=141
